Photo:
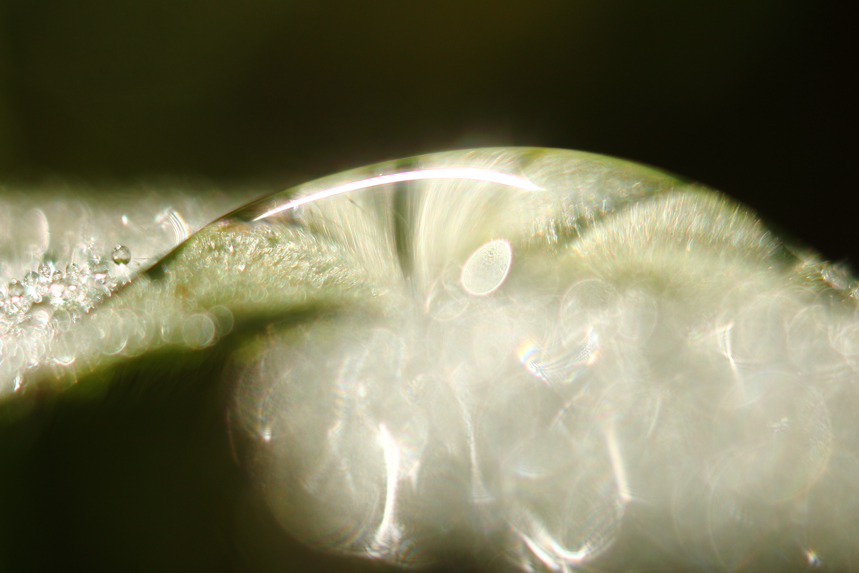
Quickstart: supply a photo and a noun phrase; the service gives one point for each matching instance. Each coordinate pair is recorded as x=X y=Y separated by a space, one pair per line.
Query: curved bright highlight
x=470 y=173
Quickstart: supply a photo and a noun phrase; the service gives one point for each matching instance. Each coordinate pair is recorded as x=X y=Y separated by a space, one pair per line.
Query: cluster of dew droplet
x=46 y=301
x=58 y=262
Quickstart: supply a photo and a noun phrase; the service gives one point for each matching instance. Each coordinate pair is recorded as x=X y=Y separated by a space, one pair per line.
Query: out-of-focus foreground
x=498 y=358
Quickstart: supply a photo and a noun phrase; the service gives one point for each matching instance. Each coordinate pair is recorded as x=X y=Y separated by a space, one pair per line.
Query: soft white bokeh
x=530 y=373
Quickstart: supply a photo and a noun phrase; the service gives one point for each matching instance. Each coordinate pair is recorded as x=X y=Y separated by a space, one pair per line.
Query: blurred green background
x=752 y=97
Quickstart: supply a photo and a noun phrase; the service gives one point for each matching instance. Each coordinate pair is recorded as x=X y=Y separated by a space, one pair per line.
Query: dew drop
x=121 y=255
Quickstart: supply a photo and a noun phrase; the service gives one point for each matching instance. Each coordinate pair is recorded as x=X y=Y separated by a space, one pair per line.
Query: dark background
x=752 y=97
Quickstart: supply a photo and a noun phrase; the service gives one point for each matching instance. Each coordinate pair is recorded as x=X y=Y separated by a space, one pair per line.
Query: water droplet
x=121 y=255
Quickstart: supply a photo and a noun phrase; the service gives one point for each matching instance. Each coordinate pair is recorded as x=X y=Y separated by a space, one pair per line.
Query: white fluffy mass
x=606 y=367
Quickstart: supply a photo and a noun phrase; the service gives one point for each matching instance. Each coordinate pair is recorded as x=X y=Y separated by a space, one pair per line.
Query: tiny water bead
x=544 y=358
x=121 y=255
x=67 y=240
x=43 y=306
